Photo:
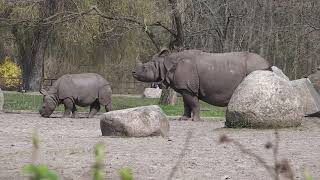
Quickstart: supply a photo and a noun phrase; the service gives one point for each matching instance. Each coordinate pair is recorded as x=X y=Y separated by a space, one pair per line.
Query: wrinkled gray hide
x=87 y=89
x=211 y=77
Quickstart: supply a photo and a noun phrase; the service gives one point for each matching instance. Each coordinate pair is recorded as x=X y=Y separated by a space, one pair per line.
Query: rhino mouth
x=44 y=115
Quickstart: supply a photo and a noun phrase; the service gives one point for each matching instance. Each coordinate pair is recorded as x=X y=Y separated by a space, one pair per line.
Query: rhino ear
x=164 y=52
x=43 y=92
x=161 y=69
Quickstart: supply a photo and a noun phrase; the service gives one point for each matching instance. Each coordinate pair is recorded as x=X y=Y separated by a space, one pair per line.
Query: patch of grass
x=32 y=102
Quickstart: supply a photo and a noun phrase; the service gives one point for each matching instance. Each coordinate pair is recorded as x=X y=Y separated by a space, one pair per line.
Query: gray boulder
x=315 y=80
x=309 y=97
x=135 y=122
x=1 y=100
x=279 y=72
x=264 y=100
x=152 y=93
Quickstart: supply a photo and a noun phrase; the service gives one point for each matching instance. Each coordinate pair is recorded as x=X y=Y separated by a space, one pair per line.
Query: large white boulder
x=152 y=93
x=1 y=100
x=135 y=122
x=264 y=100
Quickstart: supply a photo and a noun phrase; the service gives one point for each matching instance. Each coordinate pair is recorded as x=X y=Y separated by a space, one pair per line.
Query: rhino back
x=256 y=62
x=219 y=75
x=83 y=88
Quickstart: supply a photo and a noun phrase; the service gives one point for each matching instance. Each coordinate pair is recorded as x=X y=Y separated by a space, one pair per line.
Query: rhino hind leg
x=191 y=107
x=105 y=97
x=108 y=107
x=186 y=111
x=68 y=107
x=74 y=112
x=94 y=108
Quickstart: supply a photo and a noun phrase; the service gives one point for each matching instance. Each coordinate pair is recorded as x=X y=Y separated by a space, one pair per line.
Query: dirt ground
x=67 y=147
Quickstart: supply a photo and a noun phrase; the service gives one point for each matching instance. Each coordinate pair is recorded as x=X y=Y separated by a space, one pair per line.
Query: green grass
x=19 y=101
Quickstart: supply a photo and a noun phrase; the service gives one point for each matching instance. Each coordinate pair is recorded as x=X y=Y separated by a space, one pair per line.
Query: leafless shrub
x=279 y=167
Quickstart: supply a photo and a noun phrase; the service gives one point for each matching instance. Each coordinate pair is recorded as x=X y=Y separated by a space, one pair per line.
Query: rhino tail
x=104 y=95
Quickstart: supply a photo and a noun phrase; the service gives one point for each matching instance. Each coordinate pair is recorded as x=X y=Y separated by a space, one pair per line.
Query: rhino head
x=152 y=71
x=48 y=105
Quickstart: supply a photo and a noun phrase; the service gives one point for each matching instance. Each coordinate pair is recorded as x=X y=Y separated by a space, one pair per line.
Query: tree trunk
x=169 y=96
x=37 y=59
x=32 y=49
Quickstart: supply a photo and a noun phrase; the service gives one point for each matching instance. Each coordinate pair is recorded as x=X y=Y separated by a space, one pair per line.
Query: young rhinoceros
x=210 y=77
x=77 y=89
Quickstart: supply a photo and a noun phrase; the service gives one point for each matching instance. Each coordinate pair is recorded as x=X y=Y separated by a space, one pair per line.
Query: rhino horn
x=43 y=92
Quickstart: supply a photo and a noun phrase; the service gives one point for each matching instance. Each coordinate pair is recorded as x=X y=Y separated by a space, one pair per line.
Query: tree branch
x=158 y=23
x=62 y=17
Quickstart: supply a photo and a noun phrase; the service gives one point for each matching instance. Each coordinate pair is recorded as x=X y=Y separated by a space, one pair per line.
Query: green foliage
x=39 y=172
x=35 y=140
x=98 y=170
x=307 y=175
x=125 y=174
x=11 y=74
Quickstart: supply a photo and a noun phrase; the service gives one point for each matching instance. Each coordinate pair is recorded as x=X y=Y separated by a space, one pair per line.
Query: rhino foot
x=75 y=115
x=184 y=118
x=196 y=119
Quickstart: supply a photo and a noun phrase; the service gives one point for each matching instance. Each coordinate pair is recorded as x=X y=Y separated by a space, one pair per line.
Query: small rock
x=152 y=93
x=315 y=80
x=135 y=122
x=309 y=97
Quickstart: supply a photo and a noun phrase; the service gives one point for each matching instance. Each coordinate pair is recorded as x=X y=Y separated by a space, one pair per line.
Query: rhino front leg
x=191 y=106
x=94 y=108
x=68 y=107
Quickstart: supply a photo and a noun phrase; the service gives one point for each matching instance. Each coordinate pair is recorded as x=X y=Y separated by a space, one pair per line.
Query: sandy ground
x=67 y=147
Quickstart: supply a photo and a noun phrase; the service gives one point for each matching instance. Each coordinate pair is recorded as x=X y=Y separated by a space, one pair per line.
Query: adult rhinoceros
x=86 y=89
x=210 y=77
